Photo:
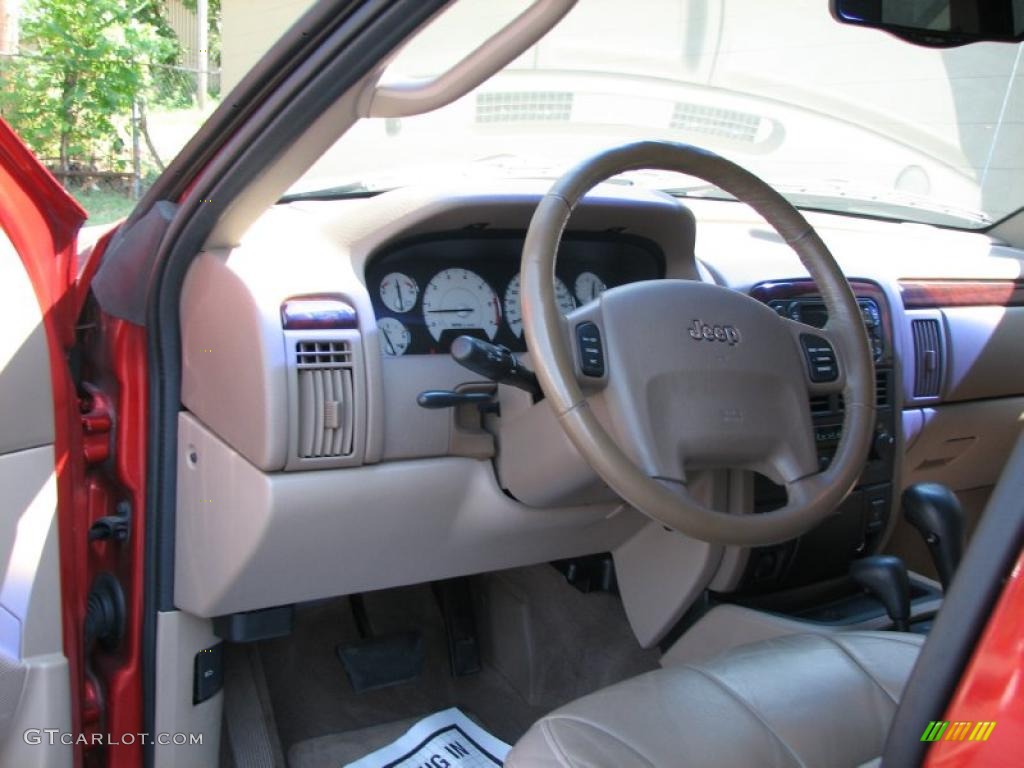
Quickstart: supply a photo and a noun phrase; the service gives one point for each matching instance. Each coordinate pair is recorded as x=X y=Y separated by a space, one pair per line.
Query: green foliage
x=172 y=86
x=104 y=206
x=69 y=93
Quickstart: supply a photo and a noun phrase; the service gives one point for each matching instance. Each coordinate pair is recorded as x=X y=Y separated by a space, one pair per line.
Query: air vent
x=524 y=107
x=820 y=404
x=325 y=398
x=881 y=388
x=724 y=123
x=319 y=354
x=927 y=358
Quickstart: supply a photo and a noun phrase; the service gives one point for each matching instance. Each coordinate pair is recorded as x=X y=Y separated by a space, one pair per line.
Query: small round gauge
x=588 y=287
x=398 y=292
x=457 y=299
x=394 y=336
x=514 y=311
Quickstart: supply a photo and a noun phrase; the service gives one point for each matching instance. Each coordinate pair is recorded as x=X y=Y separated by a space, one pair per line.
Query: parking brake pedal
x=380 y=661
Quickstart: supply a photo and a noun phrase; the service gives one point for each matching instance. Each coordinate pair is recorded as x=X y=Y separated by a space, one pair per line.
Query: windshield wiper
x=341 y=192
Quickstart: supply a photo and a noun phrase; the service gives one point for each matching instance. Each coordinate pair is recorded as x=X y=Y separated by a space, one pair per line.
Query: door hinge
x=97 y=423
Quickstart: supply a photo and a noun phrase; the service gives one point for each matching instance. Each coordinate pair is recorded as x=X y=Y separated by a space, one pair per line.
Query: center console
x=826 y=552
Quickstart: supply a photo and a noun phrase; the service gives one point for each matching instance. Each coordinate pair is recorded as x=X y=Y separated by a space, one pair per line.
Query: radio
x=812 y=311
x=860 y=521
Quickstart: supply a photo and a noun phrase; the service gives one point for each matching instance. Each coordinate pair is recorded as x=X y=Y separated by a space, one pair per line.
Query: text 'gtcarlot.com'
x=53 y=736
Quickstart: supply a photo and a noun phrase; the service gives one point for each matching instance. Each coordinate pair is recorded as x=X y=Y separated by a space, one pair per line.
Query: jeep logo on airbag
x=704 y=332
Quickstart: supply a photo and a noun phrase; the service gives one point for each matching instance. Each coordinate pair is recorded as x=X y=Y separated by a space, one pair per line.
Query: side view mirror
x=937 y=23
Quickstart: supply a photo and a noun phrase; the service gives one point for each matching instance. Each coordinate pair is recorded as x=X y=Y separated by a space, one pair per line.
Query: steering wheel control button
x=588 y=339
x=821 y=358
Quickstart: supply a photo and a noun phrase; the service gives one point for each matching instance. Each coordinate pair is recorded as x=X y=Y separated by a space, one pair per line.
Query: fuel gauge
x=399 y=292
x=588 y=287
x=394 y=336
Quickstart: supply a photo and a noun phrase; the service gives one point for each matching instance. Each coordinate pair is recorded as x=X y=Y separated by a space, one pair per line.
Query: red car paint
x=992 y=689
x=42 y=221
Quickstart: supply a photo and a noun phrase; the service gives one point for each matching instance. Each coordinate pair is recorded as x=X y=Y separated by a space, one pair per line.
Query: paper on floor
x=445 y=739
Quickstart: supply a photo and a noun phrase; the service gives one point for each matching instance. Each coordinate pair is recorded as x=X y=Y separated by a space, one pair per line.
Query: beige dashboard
x=419 y=495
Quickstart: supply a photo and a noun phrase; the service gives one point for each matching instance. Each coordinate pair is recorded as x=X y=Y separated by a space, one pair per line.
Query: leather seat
x=801 y=700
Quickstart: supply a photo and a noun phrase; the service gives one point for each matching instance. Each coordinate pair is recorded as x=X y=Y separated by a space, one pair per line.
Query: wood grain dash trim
x=935 y=294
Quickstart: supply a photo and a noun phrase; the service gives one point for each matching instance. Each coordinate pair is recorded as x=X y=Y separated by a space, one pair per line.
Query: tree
x=81 y=66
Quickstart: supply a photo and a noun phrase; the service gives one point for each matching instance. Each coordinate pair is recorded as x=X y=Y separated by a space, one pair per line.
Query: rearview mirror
x=937 y=23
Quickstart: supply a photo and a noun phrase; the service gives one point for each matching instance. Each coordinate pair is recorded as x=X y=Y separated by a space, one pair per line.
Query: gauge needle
x=398 y=290
x=388 y=340
x=459 y=310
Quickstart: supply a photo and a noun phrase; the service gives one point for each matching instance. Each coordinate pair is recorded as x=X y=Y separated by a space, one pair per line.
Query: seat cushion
x=801 y=700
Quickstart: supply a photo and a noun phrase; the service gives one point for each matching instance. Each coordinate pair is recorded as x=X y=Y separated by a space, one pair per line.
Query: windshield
x=835 y=117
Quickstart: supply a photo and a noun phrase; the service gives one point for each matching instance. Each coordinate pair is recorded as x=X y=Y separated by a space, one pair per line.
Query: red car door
x=93 y=373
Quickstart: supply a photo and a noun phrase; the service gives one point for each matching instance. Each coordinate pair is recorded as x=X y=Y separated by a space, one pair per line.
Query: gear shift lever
x=935 y=511
x=885 y=577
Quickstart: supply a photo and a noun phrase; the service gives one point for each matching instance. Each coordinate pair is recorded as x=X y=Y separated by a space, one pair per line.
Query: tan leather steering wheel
x=695 y=375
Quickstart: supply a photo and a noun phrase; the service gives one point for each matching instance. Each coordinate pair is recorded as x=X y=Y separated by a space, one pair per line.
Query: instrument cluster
x=429 y=290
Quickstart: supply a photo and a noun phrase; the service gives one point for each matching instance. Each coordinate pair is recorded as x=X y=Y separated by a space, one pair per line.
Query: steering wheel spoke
x=585 y=332
x=819 y=350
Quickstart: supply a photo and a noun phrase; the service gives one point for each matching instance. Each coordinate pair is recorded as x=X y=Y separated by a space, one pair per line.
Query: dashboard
x=429 y=290
x=265 y=405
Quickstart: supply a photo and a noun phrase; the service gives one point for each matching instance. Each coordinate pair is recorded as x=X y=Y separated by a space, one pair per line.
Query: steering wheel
x=690 y=375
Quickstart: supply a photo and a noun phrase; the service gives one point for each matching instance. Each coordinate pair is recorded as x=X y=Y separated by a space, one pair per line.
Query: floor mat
x=337 y=749
x=312 y=696
x=587 y=644
x=446 y=738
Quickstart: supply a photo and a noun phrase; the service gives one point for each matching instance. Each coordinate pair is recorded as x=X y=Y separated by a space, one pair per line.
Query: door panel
x=26 y=407
x=34 y=675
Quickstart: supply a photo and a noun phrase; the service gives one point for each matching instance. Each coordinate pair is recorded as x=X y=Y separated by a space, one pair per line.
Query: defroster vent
x=927 y=357
x=326 y=398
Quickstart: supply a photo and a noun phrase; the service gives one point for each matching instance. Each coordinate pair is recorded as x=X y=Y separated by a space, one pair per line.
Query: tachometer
x=457 y=299
x=394 y=336
x=514 y=311
x=588 y=287
x=399 y=292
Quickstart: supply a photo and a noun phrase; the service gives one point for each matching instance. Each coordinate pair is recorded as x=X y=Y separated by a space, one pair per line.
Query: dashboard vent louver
x=524 y=107
x=325 y=398
x=881 y=388
x=927 y=358
x=820 y=404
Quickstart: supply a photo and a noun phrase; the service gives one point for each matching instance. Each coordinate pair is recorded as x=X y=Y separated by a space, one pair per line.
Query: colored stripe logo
x=961 y=730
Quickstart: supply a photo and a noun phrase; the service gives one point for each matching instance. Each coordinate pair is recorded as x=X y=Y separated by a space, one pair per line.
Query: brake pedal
x=380 y=661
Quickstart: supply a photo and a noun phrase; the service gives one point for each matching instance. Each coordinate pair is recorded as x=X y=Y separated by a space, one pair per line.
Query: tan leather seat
x=803 y=700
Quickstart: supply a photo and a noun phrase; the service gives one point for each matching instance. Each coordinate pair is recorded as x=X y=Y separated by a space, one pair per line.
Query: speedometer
x=457 y=299
x=513 y=308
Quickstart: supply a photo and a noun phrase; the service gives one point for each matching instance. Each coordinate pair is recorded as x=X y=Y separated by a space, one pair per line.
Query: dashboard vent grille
x=323 y=354
x=726 y=123
x=927 y=358
x=325 y=398
x=881 y=388
x=524 y=107
x=820 y=404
